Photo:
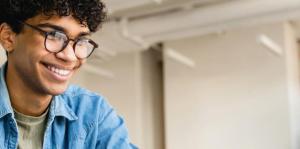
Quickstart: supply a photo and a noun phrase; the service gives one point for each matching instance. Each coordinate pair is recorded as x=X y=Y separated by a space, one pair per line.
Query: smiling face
x=44 y=72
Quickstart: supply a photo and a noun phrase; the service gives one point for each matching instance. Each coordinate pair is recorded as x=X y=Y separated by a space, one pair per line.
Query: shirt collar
x=58 y=107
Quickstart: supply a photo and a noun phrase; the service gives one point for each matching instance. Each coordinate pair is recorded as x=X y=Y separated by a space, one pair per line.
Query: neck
x=23 y=98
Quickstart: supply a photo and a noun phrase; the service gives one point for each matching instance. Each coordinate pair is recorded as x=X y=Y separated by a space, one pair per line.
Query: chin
x=57 y=93
x=57 y=90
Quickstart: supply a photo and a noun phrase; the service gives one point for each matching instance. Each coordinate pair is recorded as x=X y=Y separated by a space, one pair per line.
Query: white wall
x=235 y=98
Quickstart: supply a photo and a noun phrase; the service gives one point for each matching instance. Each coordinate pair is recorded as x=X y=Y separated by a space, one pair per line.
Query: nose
x=68 y=53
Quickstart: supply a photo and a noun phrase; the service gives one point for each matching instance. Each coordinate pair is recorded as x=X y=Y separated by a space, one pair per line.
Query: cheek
x=30 y=41
x=29 y=47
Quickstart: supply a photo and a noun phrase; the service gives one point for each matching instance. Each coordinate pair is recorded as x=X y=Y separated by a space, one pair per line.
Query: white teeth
x=58 y=71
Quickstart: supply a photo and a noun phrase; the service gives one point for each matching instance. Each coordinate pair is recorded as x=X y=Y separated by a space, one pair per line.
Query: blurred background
x=201 y=74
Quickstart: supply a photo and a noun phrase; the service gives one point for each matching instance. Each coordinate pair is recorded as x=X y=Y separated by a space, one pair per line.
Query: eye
x=55 y=35
x=82 y=42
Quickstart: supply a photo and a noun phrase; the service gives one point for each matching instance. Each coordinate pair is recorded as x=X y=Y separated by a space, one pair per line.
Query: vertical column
x=292 y=69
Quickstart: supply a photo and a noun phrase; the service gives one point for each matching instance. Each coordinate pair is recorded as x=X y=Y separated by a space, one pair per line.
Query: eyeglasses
x=57 y=41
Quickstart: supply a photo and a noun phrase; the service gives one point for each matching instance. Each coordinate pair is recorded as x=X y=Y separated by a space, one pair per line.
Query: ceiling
x=137 y=24
x=140 y=8
x=117 y=35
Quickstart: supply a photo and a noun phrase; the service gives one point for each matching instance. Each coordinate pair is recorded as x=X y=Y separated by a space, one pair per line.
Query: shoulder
x=83 y=102
x=74 y=90
x=76 y=93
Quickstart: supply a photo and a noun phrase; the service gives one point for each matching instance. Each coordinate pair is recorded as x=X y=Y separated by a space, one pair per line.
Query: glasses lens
x=83 y=48
x=55 y=41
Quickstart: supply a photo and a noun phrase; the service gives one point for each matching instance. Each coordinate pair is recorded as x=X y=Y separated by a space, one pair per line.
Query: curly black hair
x=88 y=12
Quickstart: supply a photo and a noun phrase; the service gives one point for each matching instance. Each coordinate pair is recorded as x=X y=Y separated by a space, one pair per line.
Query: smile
x=61 y=72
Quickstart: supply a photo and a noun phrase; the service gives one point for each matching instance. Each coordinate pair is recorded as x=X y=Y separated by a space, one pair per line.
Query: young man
x=47 y=41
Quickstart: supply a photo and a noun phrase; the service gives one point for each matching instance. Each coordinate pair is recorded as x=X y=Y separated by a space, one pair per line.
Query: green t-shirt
x=31 y=130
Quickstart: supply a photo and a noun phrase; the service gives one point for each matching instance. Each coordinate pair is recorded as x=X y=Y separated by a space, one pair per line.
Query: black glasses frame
x=46 y=34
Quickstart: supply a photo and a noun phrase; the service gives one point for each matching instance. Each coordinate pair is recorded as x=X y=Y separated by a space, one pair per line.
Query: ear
x=7 y=37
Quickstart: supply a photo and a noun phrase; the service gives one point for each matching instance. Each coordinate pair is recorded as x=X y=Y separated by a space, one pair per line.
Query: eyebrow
x=59 y=28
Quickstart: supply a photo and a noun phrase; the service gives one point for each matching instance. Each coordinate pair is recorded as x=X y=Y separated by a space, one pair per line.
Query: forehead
x=71 y=25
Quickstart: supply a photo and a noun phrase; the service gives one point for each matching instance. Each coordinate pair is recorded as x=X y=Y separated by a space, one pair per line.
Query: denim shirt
x=77 y=119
